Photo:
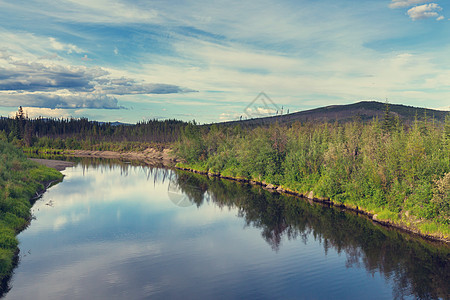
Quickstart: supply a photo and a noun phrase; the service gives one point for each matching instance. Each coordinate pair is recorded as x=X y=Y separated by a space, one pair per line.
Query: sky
x=129 y=61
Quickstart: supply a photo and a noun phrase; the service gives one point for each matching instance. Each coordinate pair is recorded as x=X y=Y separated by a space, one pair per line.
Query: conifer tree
x=388 y=120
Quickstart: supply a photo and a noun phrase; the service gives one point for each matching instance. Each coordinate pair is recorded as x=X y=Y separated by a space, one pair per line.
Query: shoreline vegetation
x=22 y=182
x=310 y=196
x=394 y=169
x=166 y=158
x=399 y=175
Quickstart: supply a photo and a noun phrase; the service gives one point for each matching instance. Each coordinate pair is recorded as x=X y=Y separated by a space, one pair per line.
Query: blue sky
x=120 y=60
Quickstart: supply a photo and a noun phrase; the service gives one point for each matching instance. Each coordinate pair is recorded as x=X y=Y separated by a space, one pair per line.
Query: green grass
x=387 y=215
x=20 y=179
x=434 y=228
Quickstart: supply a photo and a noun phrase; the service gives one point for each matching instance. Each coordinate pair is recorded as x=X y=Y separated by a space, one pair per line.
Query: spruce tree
x=388 y=121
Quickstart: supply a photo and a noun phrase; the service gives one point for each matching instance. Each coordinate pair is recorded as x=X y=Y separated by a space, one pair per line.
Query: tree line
x=401 y=172
x=71 y=133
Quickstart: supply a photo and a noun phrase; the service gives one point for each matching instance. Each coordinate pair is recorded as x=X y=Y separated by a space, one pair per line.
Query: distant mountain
x=117 y=123
x=364 y=110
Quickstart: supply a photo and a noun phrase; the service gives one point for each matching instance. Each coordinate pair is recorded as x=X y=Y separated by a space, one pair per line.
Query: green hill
x=364 y=110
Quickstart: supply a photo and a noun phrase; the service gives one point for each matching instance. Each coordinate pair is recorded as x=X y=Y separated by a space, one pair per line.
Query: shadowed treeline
x=81 y=133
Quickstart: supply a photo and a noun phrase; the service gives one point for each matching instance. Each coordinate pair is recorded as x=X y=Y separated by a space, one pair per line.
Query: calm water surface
x=118 y=231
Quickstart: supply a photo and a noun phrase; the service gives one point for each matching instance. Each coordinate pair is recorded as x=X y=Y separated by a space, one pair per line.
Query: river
x=115 y=230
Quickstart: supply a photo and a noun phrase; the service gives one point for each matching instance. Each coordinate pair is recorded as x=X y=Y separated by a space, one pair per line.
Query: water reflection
x=114 y=231
x=416 y=267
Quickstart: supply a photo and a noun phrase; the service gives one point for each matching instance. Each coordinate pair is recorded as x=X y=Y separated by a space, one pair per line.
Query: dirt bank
x=55 y=164
x=149 y=155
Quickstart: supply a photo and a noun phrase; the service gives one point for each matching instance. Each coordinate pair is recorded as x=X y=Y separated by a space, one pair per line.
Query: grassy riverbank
x=399 y=174
x=20 y=181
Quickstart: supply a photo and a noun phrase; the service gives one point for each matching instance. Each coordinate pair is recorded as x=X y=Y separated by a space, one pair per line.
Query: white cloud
x=45 y=84
x=406 y=3
x=35 y=112
x=440 y=18
x=424 y=11
x=69 y=48
x=22 y=75
x=223 y=117
x=58 y=100
x=85 y=58
x=259 y=112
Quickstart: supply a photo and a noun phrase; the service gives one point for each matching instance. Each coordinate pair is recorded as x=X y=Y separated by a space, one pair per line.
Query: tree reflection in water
x=416 y=267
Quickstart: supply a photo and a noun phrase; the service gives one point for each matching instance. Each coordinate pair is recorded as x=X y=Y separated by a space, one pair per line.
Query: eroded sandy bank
x=148 y=155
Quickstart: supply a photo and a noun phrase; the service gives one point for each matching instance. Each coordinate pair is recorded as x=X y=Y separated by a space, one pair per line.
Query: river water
x=115 y=230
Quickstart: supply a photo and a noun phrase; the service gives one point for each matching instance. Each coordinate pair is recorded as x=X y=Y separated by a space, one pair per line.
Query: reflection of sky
x=110 y=236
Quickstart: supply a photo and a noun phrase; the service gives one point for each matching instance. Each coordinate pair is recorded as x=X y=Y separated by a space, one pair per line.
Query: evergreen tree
x=388 y=120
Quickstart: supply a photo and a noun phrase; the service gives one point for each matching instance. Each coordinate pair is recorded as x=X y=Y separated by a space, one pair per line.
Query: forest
x=52 y=133
x=397 y=172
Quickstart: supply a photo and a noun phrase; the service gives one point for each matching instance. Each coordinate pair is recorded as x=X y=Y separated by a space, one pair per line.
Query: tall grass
x=20 y=179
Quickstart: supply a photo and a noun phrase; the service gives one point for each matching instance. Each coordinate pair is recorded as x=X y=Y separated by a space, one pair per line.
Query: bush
x=403 y=171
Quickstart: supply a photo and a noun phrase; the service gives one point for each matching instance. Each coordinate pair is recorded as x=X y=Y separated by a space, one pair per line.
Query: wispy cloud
x=406 y=3
x=96 y=12
x=69 y=48
x=127 y=86
x=424 y=11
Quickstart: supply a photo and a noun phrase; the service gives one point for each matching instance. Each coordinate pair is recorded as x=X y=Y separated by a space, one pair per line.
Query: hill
x=364 y=110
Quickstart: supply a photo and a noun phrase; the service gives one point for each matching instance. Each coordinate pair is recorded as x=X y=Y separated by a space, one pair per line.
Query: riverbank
x=398 y=173
x=166 y=158
x=151 y=156
x=22 y=181
x=311 y=196
x=58 y=165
